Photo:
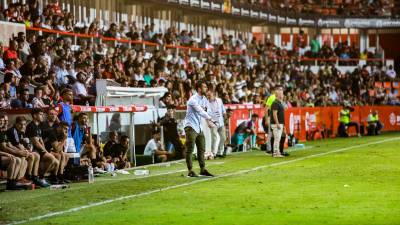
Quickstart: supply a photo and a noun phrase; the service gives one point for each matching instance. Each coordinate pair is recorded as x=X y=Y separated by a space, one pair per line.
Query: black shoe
x=285 y=154
x=220 y=156
x=53 y=180
x=205 y=173
x=62 y=180
x=66 y=181
x=14 y=186
x=192 y=174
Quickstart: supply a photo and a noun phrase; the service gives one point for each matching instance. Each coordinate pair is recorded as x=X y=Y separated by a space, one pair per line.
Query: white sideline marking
x=141 y=177
x=240 y=172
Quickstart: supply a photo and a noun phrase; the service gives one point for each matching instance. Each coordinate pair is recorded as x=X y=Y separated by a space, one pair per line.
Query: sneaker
x=285 y=154
x=192 y=174
x=277 y=156
x=220 y=156
x=41 y=182
x=205 y=173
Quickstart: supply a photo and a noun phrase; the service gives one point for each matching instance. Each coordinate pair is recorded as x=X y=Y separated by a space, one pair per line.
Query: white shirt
x=79 y=89
x=2 y=65
x=217 y=111
x=196 y=108
x=139 y=77
x=38 y=103
x=61 y=75
x=151 y=147
x=333 y=96
x=391 y=73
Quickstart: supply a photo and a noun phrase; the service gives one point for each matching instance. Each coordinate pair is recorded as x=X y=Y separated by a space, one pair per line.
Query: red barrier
x=305 y=120
x=121 y=108
x=301 y=121
x=193 y=49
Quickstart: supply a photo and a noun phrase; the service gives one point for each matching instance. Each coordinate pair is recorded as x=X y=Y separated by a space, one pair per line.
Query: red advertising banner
x=302 y=121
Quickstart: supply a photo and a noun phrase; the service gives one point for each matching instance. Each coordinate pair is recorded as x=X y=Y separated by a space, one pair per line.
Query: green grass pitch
x=334 y=181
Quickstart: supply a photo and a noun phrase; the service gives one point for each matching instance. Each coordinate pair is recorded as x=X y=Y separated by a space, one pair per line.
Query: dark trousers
x=192 y=138
x=375 y=128
x=342 y=129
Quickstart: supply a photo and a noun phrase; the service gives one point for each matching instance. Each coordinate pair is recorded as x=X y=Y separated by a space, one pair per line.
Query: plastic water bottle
x=59 y=186
x=142 y=172
x=90 y=175
x=87 y=103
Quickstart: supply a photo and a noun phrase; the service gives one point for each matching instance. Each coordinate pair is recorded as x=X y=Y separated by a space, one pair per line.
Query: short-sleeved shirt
x=66 y=116
x=52 y=136
x=47 y=129
x=16 y=137
x=277 y=105
x=117 y=150
x=151 y=147
x=108 y=146
x=3 y=137
x=244 y=126
x=32 y=131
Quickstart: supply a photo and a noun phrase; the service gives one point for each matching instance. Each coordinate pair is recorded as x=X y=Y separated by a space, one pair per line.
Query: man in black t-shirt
x=50 y=124
x=277 y=121
x=112 y=140
x=9 y=162
x=20 y=146
x=50 y=165
x=55 y=143
x=119 y=153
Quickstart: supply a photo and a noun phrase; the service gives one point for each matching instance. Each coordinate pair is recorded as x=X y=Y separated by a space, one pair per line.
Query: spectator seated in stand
x=23 y=101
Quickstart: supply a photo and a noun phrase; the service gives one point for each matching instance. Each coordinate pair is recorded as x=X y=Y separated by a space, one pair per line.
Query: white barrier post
x=132 y=141
x=97 y=127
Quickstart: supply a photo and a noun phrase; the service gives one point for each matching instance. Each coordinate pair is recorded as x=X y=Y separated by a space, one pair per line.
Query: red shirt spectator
x=11 y=52
x=55 y=7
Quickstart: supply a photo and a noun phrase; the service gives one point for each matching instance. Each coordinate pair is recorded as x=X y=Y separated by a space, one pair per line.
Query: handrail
x=197 y=49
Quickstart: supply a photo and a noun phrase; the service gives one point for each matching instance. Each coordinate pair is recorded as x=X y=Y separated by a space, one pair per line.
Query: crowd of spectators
x=367 y=8
x=49 y=64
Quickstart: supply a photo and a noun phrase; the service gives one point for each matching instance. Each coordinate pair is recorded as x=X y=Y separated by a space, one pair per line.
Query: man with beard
x=196 y=109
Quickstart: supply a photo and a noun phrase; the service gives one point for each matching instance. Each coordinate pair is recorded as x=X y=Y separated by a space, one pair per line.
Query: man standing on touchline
x=277 y=121
x=196 y=109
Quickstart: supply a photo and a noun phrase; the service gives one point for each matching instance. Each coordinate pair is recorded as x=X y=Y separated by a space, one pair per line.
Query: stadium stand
x=244 y=79
x=57 y=53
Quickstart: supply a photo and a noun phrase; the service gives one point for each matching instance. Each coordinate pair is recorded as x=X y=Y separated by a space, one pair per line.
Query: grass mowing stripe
x=240 y=172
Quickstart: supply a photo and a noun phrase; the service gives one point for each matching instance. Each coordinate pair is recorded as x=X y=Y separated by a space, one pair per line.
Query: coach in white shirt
x=217 y=112
x=196 y=109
